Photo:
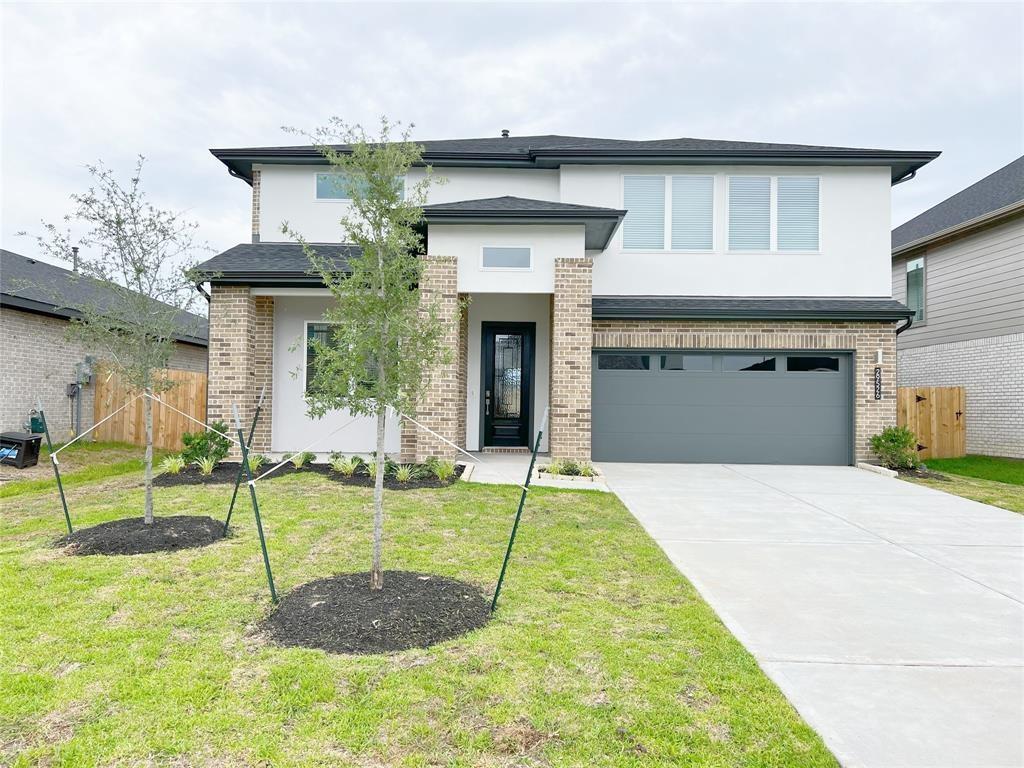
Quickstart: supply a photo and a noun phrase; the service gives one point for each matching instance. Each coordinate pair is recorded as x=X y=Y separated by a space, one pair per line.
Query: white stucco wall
x=292 y=429
x=854 y=258
x=519 y=308
x=466 y=241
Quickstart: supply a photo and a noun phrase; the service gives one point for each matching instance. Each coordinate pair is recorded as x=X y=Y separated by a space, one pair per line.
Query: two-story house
x=960 y=267
x=673 y=300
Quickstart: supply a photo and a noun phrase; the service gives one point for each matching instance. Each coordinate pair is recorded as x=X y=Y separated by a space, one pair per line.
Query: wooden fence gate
x=129 y=426
x=937 y=416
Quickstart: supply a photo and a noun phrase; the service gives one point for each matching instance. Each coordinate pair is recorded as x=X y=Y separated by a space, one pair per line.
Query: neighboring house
x=39 y=361
x=960 y=267
x=674 y=300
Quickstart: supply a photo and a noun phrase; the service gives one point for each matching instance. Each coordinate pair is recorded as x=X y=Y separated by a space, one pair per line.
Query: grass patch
x=601 y=654
x=1003 y=495
x=984 y=467
x=84 y=462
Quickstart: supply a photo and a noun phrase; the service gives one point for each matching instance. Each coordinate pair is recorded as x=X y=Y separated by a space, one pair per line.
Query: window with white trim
x=668 y=212
x=334 y=185
x=915 y=287
x=506 y=257
x=774 y=213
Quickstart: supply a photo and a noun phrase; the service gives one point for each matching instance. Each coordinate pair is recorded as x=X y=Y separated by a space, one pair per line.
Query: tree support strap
x=519 y=512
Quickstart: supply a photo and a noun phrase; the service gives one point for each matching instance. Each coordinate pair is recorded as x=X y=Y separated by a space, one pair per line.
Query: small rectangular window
x=797 y=213
x=693 y=205
x=503 y=257
x=624 y=362
x=333 y=185
x=319 y=333
x=915 y=287
x=750 y=213
x=678 y=362
x=809 y=364
x=748 y=363
x=644 y=199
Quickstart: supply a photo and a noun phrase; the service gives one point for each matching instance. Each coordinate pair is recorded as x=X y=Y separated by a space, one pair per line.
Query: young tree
x=143 y=257
x=384 y=339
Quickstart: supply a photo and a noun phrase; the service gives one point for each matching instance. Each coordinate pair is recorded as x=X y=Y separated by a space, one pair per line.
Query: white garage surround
x=292 y=428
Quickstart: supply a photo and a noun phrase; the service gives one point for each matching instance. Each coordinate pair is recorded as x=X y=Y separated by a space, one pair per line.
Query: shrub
x=895 y=446
x=200 y=445
x=404 y=473
x=570 y=468
x=443 y=469
x=586 y=470
x=257 y=460
x=346 y=466
x=172 y=465
x=206 y=465
x=554 y=468
x=371 y=467
x=299 y=460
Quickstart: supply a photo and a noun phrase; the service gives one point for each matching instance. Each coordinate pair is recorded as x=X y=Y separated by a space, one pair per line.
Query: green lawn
x=601 y=654
x=985 y=467
x=1003 y=495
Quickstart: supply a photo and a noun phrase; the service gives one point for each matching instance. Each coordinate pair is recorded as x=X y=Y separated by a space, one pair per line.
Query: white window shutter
x=693 y=205
x=750 y=213
x=644 y=226
x=798 y=213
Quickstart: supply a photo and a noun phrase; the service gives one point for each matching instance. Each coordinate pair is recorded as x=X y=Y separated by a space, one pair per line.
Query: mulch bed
x=926 y=474
x=341 y=614
x=227 y=471
x=132 y=536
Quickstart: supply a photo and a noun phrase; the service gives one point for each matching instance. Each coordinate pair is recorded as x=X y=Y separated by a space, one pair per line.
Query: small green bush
x=257 y=460
x=346 y=466
x=404 y=473
x=299 y=460
x=206 y=444
x=172 y=465
x=896 y=447
x=586 y=470
x=206 y=465
x=443 y=469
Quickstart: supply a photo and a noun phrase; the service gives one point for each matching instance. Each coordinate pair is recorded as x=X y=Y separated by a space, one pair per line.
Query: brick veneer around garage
x=863 y=339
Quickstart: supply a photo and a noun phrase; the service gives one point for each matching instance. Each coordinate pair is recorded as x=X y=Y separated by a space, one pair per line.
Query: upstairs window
x=678 y=210
x=750 y=218
x=798 y=213
x=332 y=185
x=506 y=257
x=915 y=287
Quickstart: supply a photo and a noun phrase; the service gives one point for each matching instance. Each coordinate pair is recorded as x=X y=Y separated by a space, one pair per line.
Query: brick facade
x=571 y=318
x=241 y=356
x=991 y=371
x=37 y=361
x=863 y=339
x=256 y=184
x=443 y=406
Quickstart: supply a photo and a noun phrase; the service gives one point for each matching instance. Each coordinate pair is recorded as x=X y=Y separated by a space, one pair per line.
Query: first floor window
x=322 y=333
x=915 y=287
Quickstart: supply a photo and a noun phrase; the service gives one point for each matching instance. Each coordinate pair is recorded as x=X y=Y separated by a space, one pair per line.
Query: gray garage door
x=730 y=407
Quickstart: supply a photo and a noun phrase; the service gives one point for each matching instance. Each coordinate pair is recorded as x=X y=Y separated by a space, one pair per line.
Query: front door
x=507 y=357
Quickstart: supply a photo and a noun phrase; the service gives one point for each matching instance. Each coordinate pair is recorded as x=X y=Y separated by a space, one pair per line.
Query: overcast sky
x=88 y=82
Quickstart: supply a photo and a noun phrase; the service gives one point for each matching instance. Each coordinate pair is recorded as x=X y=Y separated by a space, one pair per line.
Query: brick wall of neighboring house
x=569 y=425
x=37 y=360
x=256 y=183
x=241 y=356
x=443 y=405
x=864 y=339
x=992 y=373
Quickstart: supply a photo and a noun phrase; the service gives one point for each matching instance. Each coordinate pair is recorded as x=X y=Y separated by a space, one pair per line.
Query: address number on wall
x=878 y=383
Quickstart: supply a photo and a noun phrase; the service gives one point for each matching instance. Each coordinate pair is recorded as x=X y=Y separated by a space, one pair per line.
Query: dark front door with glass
x=507 y=357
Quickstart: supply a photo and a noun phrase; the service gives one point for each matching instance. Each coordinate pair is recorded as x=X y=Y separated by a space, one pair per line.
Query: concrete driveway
x=890 y=614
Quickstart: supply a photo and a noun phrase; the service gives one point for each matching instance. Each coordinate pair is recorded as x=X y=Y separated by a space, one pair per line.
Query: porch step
x=507 y=449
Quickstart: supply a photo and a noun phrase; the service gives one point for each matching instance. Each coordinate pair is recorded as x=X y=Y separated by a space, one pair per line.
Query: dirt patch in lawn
x=227 y=472
x=341 y=614
x=133 y=537
x=923 y=474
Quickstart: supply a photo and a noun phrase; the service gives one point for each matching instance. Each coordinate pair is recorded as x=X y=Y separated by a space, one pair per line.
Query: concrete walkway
x=890 y=614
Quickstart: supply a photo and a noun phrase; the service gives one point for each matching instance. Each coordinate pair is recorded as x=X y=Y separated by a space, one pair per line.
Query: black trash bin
x=19 y=449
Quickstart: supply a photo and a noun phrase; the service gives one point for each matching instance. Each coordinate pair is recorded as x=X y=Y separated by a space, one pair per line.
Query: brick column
x=571 y=338
x=256 y=184
x=444 y=399
x=241 y=357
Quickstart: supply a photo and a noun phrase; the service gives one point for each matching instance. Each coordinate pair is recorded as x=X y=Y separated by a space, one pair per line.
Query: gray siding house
x=960 y=267
x=39 y=361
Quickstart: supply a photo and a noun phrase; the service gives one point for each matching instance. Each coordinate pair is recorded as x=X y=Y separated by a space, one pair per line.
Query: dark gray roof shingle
x=32 y=285
x=280 y=263
x=509 y=204
x=726 y=307
x=996 y=191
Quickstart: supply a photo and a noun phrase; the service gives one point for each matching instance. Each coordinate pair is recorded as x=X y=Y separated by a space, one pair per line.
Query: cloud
x=84 y=82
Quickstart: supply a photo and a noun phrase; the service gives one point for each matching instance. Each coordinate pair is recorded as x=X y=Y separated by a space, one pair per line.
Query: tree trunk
x=148 y=410
x=376 y=573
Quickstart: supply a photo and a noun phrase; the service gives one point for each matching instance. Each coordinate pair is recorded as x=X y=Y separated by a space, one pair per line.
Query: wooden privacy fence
x=129 y=426
x=937 y=416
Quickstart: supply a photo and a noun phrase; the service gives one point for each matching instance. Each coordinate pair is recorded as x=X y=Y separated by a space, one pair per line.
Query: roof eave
x=598 y=227
x=961 y=228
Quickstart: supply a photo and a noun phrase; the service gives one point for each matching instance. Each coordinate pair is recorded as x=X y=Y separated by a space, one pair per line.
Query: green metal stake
x=241 y=469
x=519 y=513
x=255 y=504
x=56 y=468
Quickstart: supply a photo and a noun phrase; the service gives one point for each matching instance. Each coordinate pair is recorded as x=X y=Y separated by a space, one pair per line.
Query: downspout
x=901 y=179
x=199 y=287
x=910 y=322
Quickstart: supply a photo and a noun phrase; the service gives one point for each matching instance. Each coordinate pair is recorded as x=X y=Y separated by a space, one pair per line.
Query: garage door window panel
x=812 y=364
x=614 y=362
x=748 y=363
x=681 y=362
